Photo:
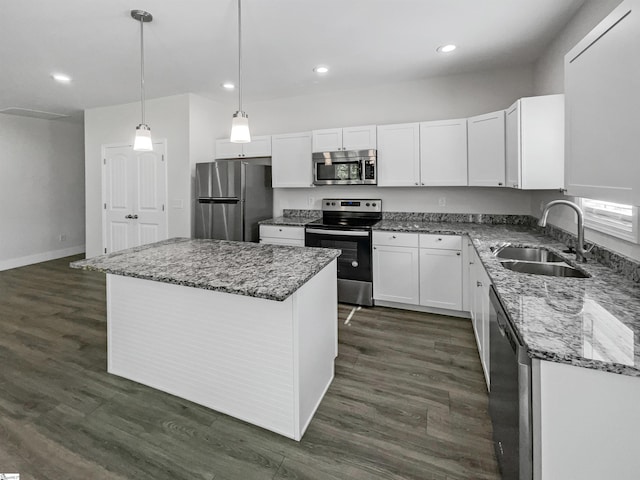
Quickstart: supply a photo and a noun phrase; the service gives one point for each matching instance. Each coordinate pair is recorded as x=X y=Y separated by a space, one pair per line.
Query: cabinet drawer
x=282 y=241
x=395 y=239
x=444 y=242
x=276 y=231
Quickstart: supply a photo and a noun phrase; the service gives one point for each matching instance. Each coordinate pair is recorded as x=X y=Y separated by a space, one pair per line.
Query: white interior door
x=134 y=197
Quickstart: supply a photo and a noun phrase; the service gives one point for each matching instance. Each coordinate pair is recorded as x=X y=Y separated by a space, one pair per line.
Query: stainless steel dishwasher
x=510 y=395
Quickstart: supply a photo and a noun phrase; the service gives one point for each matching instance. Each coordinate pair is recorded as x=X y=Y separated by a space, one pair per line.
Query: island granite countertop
x=272 y=272
x=587 y=322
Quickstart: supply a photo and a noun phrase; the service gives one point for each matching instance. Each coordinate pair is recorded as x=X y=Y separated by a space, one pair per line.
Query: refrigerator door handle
x=227 y=200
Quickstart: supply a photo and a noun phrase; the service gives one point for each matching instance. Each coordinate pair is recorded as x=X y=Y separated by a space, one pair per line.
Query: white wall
x=41 y=190
x=549 y=78
x=437 y=98
x=168 y=118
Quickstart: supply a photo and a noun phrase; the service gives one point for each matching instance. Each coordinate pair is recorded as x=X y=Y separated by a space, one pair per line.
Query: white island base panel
x=265 y=362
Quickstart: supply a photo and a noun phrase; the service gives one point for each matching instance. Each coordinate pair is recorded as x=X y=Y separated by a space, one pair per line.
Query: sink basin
x=549 y=269
x=529 y=254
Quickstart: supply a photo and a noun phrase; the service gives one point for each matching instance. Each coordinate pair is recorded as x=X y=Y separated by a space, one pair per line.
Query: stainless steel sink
x=529 y=254
x=549 y=269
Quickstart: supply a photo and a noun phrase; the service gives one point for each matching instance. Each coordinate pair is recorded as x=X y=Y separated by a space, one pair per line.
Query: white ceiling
x=191 y=45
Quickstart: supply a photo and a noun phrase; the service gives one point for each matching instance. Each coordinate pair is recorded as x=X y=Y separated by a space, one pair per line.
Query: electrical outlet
x=442 y=201
x=312 y=201
x=62 y=237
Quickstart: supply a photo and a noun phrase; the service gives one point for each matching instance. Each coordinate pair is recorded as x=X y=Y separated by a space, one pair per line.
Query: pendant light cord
x=239 y=55
x=142 y=67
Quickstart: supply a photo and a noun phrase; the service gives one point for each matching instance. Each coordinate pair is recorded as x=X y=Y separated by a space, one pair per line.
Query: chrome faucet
x=580 y=250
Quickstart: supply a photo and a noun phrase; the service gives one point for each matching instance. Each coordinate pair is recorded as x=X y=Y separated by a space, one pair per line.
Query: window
x=611 y=218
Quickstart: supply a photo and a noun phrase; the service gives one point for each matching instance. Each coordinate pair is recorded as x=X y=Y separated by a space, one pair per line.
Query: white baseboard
x=420 y=308
x=40 y=257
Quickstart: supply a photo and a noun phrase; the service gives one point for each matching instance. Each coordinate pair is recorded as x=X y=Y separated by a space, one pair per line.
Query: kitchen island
x=246 y=329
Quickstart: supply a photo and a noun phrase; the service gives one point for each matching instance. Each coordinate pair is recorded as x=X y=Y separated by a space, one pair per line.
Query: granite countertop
x=272 y=272
x=290 y=221
x=588 y=322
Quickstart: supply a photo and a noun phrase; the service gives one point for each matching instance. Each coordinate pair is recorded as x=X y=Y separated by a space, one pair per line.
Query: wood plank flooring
x=408 y=400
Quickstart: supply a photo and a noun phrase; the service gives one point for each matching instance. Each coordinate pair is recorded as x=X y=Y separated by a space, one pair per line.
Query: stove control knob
x=354 y=264
x=333 y=203
x=368 y=204
x=373 y=204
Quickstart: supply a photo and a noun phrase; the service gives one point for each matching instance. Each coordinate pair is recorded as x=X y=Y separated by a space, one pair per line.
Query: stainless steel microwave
x=355 y=167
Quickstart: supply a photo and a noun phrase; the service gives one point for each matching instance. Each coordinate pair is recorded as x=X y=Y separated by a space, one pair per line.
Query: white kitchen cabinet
x=291 y=160
x=486 y=142
x=282 y=235
x=479 y=285
x=441 y=271
x=395 y=267
x=602 y=74
x=443 y=153
x=535 y=143
x=348 y=138
x=399 y=155
x=258 y=147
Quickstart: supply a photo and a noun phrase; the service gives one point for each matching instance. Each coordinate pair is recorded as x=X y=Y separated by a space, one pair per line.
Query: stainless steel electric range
x=346 y=225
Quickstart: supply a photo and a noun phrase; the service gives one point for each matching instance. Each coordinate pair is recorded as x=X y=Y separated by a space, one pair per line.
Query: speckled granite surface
x=273 y=272
x=288 y=221
x=590 y=322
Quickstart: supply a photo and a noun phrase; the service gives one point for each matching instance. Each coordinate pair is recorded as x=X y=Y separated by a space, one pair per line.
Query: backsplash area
x=626 y=266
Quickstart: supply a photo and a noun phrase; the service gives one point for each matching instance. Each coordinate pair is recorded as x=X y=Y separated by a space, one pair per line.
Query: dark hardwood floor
x=408 y=400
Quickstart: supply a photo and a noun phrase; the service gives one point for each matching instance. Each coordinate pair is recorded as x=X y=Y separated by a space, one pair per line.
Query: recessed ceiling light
x=61 y=77
x=228 y=85
x=321 y=69
x=446 y=48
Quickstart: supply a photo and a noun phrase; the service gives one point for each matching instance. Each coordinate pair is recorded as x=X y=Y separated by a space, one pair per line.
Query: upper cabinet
x=291 y=160
x=535 y=143
x=399 y=155
x=258 y=147
x=602 y=75
x=349 y=138
x=443 y=153
x=486 y=138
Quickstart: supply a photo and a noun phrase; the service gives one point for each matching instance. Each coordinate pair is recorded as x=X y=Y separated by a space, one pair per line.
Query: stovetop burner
x=349 y=213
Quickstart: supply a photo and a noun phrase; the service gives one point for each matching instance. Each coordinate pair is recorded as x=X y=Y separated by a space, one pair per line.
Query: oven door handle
x=341 y=233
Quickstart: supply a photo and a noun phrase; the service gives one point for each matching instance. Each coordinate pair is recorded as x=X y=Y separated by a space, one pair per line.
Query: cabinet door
x=486 y=136
x=512 y=142
x=441 y=278
x=328 y=140
x=257 y=147
x=395 y=274
x=291 y=160
x=399 y=155
x=443 y=153
x=226 y=149
x=359 y=138
x=602 y=75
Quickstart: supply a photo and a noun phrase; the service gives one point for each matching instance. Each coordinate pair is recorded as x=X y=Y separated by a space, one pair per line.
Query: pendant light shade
x=240 y=124
x=142 y=142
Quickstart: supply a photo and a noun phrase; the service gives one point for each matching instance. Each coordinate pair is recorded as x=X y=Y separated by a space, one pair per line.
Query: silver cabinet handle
x=416 y=183
x=458 y=253
x=128 y=216
x=393 y=236
x=135 y=217
x=478 y=284
x=439 y=239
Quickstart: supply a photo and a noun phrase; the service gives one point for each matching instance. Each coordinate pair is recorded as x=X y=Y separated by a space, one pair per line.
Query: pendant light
x=142 y=142
x=240 y=124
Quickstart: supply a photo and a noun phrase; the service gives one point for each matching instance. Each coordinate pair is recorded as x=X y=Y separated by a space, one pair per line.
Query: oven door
x=346 y=172
x=355 y=261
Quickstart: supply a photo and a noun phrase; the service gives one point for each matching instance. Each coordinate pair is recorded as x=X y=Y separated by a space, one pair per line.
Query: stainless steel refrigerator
x=232 y=197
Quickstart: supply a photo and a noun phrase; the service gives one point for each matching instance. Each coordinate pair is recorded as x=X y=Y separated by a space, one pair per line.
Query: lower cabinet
x=479 y=285
x=282 y=235
x=395 y=267
x=441 y=272
x=418 y=269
